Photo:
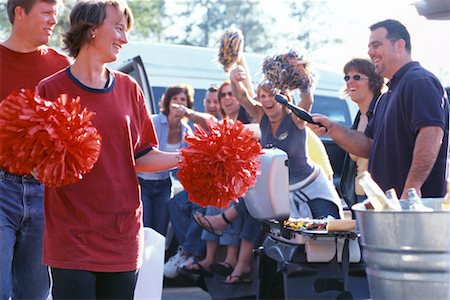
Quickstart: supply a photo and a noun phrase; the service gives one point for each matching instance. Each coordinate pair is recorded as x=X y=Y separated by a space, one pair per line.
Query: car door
x=135 y=68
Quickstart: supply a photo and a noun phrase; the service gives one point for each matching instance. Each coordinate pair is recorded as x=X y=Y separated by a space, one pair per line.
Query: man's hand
x=326 y=122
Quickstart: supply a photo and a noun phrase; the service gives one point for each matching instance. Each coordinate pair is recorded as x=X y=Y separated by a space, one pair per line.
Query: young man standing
x=24 y=61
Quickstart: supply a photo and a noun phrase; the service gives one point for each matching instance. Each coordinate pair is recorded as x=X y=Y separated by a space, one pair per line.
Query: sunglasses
x=355 y=77
x=223 y=95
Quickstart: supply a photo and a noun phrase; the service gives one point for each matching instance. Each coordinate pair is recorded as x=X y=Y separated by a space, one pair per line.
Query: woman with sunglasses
x=241 y=234
x=312 y=193
x=363 y=86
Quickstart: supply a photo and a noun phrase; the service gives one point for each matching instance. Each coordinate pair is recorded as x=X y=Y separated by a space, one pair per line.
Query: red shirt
x=25 y=70
x=95 y=224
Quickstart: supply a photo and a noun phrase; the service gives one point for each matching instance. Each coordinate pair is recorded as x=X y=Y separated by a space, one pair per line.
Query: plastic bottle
x=415 y=203
x=374 y=193
x=446 y=203
x=391 y=195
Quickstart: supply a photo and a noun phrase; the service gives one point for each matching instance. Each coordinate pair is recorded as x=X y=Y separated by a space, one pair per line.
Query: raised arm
x=238 y=77
x=247 y=81
x=306 y=101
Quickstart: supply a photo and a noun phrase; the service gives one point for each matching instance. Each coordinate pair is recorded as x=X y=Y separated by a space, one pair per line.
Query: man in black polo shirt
x=407 y=140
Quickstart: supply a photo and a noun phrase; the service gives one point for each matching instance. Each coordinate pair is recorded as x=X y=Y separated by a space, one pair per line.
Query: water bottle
x=415 y=203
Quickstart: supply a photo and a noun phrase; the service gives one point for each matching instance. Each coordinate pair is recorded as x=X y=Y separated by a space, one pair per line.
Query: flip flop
x=199 y=271
x=208 y=228
x=222 y=268
x=244 y=278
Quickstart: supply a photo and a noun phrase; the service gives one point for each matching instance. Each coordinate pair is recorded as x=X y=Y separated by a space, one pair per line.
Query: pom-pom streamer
x=55 y=141
x=284 y=73
x=230 y=48
x=219 y=165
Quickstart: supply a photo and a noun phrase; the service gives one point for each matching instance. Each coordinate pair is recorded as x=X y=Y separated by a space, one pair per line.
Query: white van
x=156 y=66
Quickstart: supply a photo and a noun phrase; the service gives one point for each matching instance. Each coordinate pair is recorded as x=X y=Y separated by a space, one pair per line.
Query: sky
x=351 y=19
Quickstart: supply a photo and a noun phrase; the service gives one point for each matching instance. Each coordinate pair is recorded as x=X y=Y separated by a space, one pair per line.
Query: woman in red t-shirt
x=93 y=228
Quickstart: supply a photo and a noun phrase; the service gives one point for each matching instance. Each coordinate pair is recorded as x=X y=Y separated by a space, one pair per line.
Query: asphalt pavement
x=184 y=293
x=183 y=287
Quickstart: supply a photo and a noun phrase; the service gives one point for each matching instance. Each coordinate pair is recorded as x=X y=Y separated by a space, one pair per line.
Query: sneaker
x=173 y=265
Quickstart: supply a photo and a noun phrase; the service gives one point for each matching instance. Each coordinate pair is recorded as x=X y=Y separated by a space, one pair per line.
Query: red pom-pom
x=219 y=165
x=54 y=140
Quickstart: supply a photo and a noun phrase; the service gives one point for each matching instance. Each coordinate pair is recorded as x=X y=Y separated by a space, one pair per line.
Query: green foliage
x=202 y=22
x=205 y=20
x=5 y=25
x=314 y=26
x=147 y=15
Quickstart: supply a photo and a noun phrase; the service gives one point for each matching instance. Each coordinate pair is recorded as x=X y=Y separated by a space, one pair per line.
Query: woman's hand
x=238 y=74
x=183 y=110
x=299 y=65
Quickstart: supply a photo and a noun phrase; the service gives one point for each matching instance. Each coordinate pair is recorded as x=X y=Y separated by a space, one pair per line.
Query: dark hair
x=367 y=68
x=175 y=90
x=86 y=16
x=213 y=88
x=26 y=5
x=395 y=31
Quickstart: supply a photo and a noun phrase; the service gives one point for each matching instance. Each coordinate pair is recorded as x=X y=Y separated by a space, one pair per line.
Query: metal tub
x=407 y=253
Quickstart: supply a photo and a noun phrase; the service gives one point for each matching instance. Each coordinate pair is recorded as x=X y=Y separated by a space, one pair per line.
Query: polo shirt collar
x=399 y=74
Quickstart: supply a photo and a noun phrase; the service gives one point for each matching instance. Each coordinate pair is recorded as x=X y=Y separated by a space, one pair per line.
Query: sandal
x=208 y=227
x=244 y=278
x=222 y=268
x=199 y=270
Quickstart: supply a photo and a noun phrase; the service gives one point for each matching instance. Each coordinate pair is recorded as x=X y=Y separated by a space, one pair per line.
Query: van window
x=334 y=108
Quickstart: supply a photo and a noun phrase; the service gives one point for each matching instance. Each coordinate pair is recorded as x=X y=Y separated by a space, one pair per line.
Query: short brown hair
x=366 y=67
x=265 y=85
x=26 y=5
x=87 y=15
x=175 y=90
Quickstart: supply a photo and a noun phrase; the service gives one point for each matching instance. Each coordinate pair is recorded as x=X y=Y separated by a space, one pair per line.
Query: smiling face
x=383 y=53
x=228 y=102
x=38 y=24
x=358 y=90
x=110 y=36
x=211 y=103
x=270 y=106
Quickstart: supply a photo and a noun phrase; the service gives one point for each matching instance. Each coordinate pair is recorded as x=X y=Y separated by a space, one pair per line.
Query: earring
x=92 y=36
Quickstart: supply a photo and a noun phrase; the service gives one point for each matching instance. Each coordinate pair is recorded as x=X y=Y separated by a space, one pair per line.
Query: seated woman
x=312 y=194
x=237 y=264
